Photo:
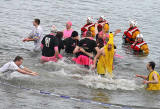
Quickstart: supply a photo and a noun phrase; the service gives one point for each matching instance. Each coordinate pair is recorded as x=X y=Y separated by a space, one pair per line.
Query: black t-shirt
x=70 y=44
x=60 y=45
x=88 y=45
x=49 y=42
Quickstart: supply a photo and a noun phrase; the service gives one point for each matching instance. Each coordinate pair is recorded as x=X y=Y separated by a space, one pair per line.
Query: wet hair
x=59 y=35
x=37 y=21
x=152 y=65
x=88 y=34
x=74 y=34
x=18 y=58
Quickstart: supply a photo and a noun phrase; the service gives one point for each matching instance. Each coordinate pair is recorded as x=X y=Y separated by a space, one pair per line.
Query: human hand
x=34 y=73
x=117 y=31
x=93 y=66
x=82 y=50
x=137 y=75
x=145 y=82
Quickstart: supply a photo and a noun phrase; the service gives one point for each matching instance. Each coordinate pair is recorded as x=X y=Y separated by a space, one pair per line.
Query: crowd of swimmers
x=94 y=48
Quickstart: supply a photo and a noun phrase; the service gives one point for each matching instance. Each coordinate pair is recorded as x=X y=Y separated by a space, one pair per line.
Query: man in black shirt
x=49 y=47
x=85 y=50
x=71 y=42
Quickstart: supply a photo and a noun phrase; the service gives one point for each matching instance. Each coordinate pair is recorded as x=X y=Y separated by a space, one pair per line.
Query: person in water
x=129 y=35
x=71 y=42
x=49 y=47
x=140 y=46
x=102 y=37
x=68 y=31
x=59 y=36
x=85 y=50
x=36 y=35
x=153 y=79
x=102 y=24
x=16 y=65
x=105 y=56
x=89 y=26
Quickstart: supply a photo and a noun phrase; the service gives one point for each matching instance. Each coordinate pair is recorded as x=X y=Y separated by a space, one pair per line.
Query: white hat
x=140 y=36
x=134 y=23
x=103 y=17
x=53 y=29
x=90 y=19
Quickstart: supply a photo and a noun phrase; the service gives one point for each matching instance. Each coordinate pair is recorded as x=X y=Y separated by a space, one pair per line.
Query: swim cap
x=74 y=34
x=90 y=19
x=70 y=23
x=140 y=36
x=53 y=29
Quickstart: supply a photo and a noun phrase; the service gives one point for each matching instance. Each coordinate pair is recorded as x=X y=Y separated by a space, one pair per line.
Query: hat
x=140 y=36
x=134 y=23
x=103 y=17
x=74 y=34
x=90 y=19
x=70 y=23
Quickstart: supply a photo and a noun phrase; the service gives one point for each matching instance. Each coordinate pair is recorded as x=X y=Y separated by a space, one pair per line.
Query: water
x=69 y=79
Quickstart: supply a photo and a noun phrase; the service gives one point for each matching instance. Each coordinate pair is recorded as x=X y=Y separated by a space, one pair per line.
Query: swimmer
x=16 y=65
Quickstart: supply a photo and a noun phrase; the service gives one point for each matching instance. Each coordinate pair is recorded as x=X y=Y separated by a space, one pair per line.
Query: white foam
x=91 y=79
x=98 y=82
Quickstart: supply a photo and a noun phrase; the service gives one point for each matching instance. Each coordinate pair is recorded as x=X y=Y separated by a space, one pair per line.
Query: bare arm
x=155 y=79
x=142 y=76
x=28 y=39
x=76 y=50
x=116 y=32
x=99 y=52
x=96 y=30
x=56 y=52
x=85 y=52
x=27 y=71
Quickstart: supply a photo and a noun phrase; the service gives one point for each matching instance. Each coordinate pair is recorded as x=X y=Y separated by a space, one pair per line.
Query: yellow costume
x=153 y=86
x=92 y=29
x=145 y=49
x=106 y=27
x=105 y=62
x=134 y=36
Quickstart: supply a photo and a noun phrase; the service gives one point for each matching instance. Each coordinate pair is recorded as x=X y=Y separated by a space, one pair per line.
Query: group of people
x=134 y=37
x=94 y=50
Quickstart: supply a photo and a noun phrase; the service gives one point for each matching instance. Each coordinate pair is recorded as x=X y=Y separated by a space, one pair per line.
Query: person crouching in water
x=49 y=47
x=129 y=35
x=71 y=42
x=85 y=50
x=140 y=46
x=153 y=79
x=106 y=56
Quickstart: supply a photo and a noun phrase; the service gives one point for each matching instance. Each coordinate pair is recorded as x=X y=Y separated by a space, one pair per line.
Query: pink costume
x=53 y=58
x=83 y=60
x=67 y=33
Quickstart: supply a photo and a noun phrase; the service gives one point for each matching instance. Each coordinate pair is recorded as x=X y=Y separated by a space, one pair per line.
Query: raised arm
x=116 y=32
